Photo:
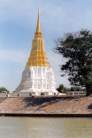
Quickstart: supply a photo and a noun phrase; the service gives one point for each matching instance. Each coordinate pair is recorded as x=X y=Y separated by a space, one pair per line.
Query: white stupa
x=38 y=76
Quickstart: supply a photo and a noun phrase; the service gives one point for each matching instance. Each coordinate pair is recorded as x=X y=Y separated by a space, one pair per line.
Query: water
x=45 y=128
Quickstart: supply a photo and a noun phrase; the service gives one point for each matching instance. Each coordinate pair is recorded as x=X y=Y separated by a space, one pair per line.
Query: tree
x=3 y=89
x=77 y=49
x=60 y=88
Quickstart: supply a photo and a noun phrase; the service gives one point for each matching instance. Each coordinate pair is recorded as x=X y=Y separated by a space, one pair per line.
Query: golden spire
x=38 y=56
x=38 y=28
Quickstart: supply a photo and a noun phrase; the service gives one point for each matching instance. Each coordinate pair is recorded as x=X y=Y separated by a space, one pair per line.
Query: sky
x=17 y=27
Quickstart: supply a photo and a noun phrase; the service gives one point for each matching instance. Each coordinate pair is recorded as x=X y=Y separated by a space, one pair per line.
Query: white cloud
x=56 y=62
x=17 y=56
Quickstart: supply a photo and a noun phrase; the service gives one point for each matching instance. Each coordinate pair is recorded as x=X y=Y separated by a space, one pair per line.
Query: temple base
x=37 y=81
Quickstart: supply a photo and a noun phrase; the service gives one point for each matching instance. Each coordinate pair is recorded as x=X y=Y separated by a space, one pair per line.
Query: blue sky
x=17 y=27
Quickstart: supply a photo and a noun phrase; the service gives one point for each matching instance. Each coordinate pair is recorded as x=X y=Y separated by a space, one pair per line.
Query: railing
x=76 y=93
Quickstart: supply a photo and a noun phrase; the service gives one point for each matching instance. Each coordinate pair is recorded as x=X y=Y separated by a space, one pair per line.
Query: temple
x=38 y=76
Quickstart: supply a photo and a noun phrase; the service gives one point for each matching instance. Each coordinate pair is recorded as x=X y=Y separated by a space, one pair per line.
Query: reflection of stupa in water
x=38 y=76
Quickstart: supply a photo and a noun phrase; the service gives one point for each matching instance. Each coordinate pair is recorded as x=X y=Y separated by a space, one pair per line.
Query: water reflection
x=45 y=128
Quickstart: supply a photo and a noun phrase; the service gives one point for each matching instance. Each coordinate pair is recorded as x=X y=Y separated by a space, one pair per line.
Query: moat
x=45 y=127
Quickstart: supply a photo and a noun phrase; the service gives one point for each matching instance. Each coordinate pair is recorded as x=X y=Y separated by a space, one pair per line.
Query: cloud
x=56 y=62
x=17 y=56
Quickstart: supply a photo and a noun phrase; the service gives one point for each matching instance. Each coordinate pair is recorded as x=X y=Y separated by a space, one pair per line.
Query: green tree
x=77 y=49
x=3 y=89
x=60 y=88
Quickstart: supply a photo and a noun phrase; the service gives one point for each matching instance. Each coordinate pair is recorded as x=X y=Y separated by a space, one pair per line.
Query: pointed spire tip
x=38 y=28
